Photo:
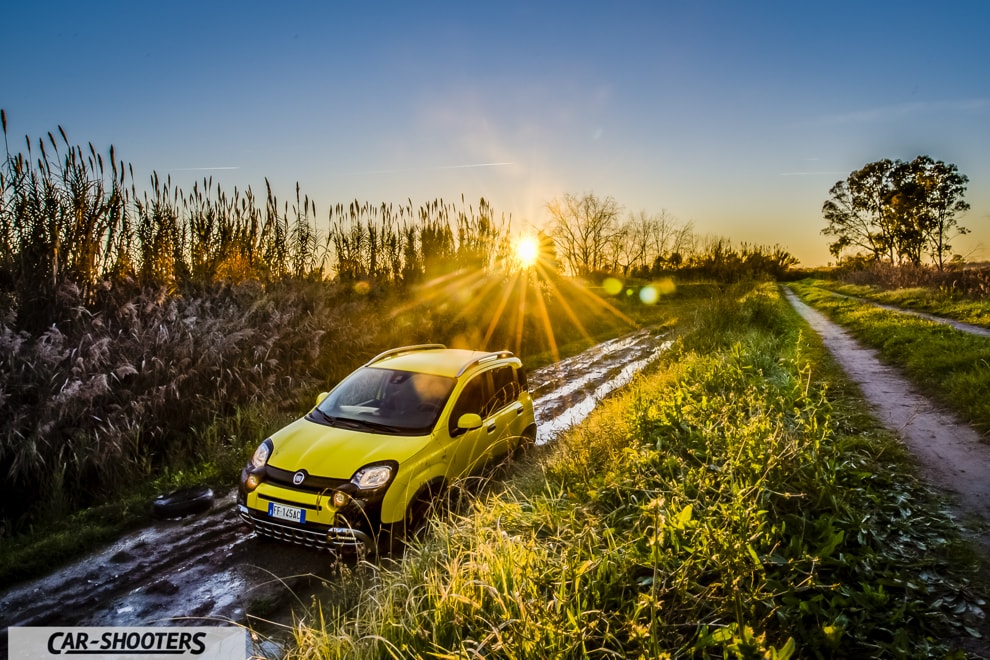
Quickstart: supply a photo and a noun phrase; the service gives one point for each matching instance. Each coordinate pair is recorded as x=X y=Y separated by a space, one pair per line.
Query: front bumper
x=310 y=535
x=352 y=527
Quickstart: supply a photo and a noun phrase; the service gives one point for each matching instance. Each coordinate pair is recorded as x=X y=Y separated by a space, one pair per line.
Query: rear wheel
x=526 y=442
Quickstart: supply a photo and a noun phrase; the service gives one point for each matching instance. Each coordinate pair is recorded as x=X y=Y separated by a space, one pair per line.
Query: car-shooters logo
x=31 y=643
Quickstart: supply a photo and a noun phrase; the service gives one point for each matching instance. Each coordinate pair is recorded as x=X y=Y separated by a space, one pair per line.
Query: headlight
x=262 y=453
x=371 y=477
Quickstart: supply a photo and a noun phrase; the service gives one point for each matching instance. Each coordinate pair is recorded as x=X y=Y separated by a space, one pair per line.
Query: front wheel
x=396 y=536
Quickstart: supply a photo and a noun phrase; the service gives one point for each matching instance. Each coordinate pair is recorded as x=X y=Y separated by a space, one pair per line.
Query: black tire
x=418 y=513
x=183 y=502
x=526 y=442
x=395 y=537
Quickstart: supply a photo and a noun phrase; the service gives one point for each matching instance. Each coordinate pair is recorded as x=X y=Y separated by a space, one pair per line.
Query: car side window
x=505 y=386
x=471 y=400
x=523 y=382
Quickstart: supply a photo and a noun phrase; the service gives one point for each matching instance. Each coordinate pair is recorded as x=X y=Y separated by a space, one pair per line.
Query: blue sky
x=734 y=116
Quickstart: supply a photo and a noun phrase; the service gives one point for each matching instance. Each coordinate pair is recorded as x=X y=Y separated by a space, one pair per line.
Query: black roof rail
x=488 y=357
x=404 y=349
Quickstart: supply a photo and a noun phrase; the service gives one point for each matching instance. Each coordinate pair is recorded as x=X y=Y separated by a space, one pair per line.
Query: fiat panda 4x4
x=366 y=463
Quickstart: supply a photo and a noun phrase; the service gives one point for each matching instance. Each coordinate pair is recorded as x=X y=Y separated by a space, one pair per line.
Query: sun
x=527 y=251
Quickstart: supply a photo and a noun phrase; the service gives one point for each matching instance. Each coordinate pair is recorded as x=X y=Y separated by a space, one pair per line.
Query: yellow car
x=367 y=462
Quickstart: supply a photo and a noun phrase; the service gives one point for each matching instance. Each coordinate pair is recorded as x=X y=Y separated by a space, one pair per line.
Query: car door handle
x=491 y=428
x=519 y=410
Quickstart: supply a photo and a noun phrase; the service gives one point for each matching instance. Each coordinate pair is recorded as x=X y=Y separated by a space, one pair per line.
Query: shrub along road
x=951 y=454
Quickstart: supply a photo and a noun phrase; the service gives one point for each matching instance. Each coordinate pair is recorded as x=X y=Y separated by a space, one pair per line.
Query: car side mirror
x=469 y=421
x=320 y=397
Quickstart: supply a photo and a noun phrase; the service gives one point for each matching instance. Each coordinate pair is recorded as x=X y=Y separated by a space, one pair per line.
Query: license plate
x=286 y=512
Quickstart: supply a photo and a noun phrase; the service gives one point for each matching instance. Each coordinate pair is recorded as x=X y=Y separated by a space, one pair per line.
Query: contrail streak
x=202 y=169
x=437 y=167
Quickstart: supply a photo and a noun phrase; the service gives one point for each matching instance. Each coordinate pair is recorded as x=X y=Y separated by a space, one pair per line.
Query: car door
x=503 y=421
x=467 y=445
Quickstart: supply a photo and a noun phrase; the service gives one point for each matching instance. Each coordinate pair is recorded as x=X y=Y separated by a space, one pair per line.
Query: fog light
x=252 y=482
x=340 y=499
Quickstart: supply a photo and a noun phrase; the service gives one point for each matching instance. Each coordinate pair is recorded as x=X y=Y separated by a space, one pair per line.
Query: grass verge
x=938 y=301
x=734 y=502
x=949 y=366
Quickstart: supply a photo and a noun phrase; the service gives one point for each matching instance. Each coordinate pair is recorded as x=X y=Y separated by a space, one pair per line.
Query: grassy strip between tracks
x=733 y=502
x=950 y=366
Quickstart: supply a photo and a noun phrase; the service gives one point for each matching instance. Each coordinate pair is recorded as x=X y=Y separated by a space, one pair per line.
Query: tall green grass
x=732 y=503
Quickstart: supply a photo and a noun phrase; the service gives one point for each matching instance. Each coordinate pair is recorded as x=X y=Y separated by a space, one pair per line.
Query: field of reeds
x=735 y=502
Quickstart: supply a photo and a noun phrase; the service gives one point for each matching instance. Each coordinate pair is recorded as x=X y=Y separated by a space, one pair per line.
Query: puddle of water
x=570 y=404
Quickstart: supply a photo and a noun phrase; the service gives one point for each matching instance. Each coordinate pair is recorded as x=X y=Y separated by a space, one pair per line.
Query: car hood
x=335 y=452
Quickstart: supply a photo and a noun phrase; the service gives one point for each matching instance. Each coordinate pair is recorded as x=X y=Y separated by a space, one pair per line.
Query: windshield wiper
x=332 y=421
x=354 y=423
x=378 y=426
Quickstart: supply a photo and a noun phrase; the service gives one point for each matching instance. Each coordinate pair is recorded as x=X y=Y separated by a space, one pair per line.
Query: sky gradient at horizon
x=735 y=117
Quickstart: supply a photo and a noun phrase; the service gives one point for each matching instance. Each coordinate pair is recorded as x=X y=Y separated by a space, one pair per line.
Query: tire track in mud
x=210 y=569
x=569 y=390
x=139 y=561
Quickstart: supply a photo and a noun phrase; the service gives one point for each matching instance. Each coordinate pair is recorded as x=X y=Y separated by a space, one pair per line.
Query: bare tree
x=585 y=229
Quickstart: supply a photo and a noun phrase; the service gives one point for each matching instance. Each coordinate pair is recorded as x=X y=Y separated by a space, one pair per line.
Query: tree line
x=591 y=236
x=72 y=219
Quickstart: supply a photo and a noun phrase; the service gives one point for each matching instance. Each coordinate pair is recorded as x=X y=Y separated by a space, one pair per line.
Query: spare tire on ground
x=183 y=502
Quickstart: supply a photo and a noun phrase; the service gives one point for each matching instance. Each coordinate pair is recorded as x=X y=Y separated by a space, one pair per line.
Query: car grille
x=311 y=484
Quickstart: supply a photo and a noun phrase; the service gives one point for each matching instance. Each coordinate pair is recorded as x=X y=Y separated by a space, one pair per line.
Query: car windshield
x=387 y=401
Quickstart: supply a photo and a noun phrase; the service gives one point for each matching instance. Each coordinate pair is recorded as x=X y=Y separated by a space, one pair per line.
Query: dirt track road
x=951 y=455
x=210 y=569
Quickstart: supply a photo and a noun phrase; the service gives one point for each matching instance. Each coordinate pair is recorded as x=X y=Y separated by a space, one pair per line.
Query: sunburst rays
x=526 y=308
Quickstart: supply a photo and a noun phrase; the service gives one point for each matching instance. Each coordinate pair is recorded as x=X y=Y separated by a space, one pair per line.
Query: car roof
x=434 y=359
